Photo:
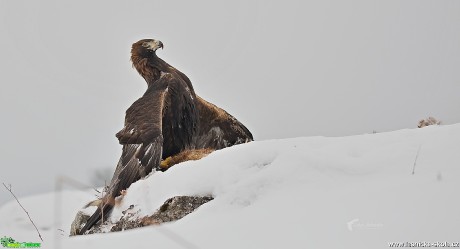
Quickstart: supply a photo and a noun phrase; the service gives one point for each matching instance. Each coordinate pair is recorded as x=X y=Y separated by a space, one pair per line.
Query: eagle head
x=145 y=60
x=146 y=46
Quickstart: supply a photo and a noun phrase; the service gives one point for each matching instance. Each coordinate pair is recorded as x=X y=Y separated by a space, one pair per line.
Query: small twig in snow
x=9 y=189
x=415 y=161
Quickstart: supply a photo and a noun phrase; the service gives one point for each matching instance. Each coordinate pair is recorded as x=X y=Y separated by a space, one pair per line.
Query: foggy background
x=284 y=69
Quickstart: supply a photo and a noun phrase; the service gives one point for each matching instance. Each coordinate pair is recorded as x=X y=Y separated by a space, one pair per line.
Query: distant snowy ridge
x=314 y=192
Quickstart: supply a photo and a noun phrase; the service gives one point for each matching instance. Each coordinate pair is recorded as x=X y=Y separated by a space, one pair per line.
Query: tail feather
x=100 y=213
x=137 y=161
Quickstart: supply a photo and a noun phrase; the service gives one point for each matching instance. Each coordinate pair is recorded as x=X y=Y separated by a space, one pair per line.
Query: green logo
x=9 y=242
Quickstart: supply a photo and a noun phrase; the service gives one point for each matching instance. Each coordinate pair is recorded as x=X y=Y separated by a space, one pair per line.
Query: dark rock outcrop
x=174 y=208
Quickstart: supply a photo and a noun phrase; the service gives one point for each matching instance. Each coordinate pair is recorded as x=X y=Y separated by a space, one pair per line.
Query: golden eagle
x=167 y=125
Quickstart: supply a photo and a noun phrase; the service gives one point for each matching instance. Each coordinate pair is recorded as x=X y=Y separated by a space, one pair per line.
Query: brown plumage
x=167 y=120
x=183 y=156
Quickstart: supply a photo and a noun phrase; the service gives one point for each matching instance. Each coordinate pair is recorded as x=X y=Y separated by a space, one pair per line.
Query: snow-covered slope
x=315 y=192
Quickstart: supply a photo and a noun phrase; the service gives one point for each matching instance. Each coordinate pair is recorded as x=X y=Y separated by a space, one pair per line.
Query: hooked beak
x=153 y=45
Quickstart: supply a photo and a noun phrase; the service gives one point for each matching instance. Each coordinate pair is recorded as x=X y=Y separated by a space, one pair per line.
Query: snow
x=313 y=192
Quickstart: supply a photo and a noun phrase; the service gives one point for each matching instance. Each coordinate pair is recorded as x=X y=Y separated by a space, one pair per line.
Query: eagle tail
x=100 y=213
x=137 y=161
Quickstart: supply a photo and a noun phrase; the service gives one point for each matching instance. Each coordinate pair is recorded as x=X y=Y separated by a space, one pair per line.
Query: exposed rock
x=78 y=222
x=174 y=208
x=127 y=222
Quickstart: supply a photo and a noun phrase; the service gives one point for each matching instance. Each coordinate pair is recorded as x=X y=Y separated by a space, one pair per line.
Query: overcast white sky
x=285 y=69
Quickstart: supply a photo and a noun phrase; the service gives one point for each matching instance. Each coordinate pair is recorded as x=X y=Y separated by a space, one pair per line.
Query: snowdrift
x=362 y=191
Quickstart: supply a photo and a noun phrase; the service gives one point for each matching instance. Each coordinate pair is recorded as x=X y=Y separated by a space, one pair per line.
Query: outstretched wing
x=142 y=137
x=218 y=129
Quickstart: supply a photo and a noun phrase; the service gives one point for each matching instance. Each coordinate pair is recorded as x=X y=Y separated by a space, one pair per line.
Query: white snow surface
x=313 y=192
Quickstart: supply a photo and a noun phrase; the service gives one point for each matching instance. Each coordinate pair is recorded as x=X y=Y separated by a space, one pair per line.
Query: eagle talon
x=167 y=163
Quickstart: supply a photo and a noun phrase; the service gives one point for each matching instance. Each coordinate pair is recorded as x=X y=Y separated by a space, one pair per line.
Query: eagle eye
x=145 y=44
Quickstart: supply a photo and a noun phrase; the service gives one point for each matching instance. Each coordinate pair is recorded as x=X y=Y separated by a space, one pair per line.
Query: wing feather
x=166 y=103
x=218 y=129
